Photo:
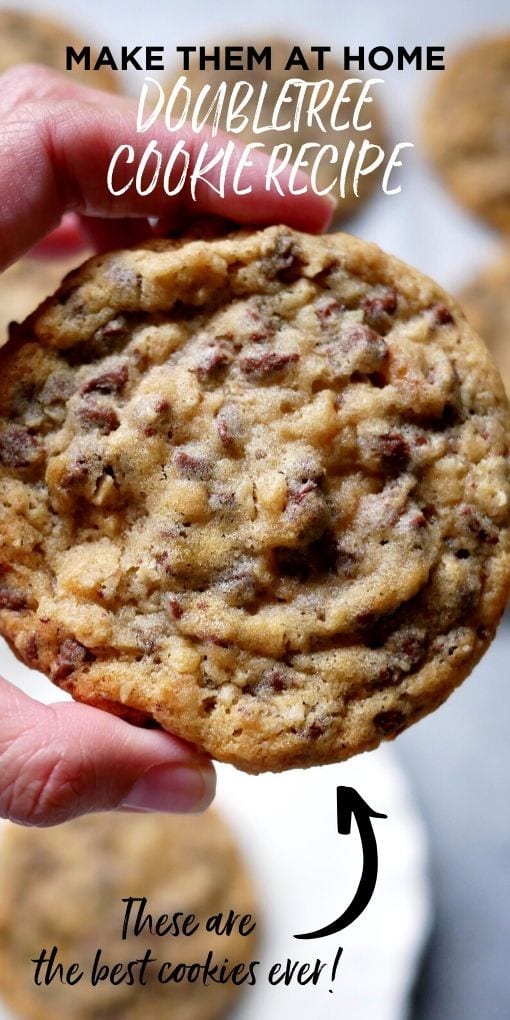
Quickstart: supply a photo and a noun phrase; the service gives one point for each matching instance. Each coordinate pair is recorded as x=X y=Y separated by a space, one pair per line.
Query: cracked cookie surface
x=256 y=489
x=64 y=886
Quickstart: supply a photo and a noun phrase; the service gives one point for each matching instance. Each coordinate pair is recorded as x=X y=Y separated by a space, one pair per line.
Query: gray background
x=459 y=763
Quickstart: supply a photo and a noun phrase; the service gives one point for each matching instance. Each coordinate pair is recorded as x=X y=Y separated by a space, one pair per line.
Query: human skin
x=56 y=141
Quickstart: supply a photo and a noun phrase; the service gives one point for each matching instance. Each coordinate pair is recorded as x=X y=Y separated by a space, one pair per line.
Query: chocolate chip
x=174 y=605
x=413 y=647
x=292 y=271
x=380 y=308
x=480 y=525
x=82 y=469
x=19 y=449
x=486 y=534
x=285 y=263
x=356 y=334
x=387 y=677
x=161 y=406
x=112 y=381
x=390 y=722
x=298 y=491
x=265 y=332
x=31 y=650
x=71 y=655
x=429 y=512
x=395 y=452
x=224 y=432
x=484 y=633
x=279 y=681
x=156 y=419
x=314 y=731
x=192 y=465
x=240 y=583
x=264 y=328
x=442 y=315
x=418 y=521
x=98 y=415
x=12 y=598
x=358 y=352
x=213 y=359
x=262 y=365
x=307 y=512
x=326 y=307
x=325 y=277
x=274 y=681
x=230 y=427
x=377 y=380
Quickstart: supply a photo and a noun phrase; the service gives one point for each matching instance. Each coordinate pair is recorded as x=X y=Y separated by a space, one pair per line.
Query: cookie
x=275 y=79
x=25 y=284
x=28 y=38
x=256 y=488
x=64 y=887
x=467 y=128
x=486 y=303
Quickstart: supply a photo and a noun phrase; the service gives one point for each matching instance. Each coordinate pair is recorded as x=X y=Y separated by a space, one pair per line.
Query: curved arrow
x=349 y=804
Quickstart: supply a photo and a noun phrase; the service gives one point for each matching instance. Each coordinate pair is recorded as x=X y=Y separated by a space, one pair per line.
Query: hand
x=56 y=141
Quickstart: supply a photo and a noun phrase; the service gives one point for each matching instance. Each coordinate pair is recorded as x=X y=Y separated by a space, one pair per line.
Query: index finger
x=57 y=139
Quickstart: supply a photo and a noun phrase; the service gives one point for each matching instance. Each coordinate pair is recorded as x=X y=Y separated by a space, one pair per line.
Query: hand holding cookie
x=63 y=760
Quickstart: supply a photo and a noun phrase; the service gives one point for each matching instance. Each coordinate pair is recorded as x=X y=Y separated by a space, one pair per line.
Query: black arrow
x=349 y=804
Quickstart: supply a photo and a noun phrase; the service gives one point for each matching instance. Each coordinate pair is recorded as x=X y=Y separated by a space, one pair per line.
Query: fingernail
x=176 y=788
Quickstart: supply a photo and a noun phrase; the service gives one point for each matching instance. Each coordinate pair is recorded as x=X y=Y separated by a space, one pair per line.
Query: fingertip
x=173 y=788
x=66 y=759
x=313 y=213
x=329 y=207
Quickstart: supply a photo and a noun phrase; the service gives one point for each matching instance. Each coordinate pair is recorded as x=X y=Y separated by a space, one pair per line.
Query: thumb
x=66 y=759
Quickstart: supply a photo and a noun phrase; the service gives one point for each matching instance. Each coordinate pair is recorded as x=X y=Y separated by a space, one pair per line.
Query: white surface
x=307 y=874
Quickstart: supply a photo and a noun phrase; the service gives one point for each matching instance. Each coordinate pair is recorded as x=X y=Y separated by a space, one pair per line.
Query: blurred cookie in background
x=486 y=303
x=275 y=79
x=28 y=38
x=64 y=887
x=28 y=282
x=467 y=128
